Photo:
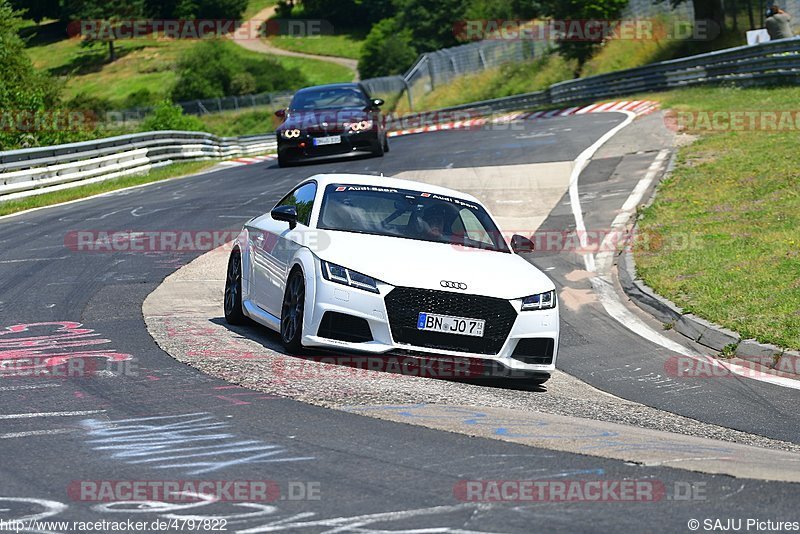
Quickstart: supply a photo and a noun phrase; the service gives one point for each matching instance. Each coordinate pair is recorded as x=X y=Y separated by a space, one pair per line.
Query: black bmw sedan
x=331 y=120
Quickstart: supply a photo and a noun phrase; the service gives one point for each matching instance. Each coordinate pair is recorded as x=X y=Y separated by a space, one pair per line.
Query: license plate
x=451 y=325
x=330 y=140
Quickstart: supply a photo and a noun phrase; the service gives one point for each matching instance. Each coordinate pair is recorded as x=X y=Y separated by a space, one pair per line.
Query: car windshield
x=338 y=97
x=408 y=214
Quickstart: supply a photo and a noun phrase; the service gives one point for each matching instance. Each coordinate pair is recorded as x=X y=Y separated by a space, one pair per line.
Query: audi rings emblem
x=453 y=285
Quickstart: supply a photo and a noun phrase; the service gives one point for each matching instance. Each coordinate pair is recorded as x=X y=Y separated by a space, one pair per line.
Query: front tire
x=385 y=143
x=233 y=291
x=292 y=312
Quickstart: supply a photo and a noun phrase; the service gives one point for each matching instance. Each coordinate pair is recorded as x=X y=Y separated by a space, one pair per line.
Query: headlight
x=290 y=134
x=540 y=301
x=348 y=277
x=358 y=126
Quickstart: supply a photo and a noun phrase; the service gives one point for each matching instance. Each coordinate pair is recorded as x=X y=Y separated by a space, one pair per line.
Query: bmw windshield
x=328 y=98
x=408 y=214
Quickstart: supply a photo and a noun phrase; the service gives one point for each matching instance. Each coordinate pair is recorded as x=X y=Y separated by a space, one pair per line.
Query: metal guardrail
x=34 y=171
x=761 y=64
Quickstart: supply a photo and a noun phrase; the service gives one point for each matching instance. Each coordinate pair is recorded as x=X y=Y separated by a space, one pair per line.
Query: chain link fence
x=439 y=68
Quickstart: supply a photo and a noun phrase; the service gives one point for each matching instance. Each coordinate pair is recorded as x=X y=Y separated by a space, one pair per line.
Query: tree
x=211 y=9
x=713 y=10
x=26 y=96
x=503 y=9
x=101 y=19
x=38 y=10
x=582 y=10
x=387 y=50
x=351 y=14
x=432 y=22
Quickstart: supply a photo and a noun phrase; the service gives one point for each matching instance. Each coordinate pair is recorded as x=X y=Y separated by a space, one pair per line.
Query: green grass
x=247 y=122
x=734 y=197
x=346 y=45
x=317 y=72
x=56 y=197
x=145 y=64
x=142 y=63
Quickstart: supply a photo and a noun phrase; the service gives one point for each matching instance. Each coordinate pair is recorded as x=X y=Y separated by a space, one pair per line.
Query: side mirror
x=281 y=113
x=378 y=102
x=520 y=244
x=285 y=213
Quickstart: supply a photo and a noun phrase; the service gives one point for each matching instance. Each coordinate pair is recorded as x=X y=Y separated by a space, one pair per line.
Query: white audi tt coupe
x=379 y=265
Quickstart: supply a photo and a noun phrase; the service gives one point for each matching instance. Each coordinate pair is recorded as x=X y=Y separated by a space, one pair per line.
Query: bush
x=141 y=98
x=283 y=9
x=168 y=116
x=243 y=83
x=386 y=51
x=85 y=102
x=214 y=69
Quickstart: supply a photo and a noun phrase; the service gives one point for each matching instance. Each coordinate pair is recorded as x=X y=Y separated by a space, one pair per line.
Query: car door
x=280 y=244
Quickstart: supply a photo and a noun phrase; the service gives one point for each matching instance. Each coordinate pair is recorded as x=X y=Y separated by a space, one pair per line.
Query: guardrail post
x=408 y=94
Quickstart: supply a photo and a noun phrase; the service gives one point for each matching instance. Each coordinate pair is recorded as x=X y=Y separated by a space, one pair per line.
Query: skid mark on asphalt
x=197 y=442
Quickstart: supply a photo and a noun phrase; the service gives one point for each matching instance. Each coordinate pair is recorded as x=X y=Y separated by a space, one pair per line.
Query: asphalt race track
x=130 y=412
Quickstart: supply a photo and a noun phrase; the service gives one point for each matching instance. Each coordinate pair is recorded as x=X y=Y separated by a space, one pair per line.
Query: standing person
x=778 y=24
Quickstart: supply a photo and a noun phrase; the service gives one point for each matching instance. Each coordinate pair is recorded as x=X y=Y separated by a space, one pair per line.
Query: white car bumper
x=541 y=325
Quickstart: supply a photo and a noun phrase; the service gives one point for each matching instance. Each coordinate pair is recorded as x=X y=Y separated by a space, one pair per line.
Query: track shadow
x=326 y=161
x=90 y=60
x=472 y=371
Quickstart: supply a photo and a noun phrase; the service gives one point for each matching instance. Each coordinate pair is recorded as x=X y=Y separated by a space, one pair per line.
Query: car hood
x=412 y=263
x=333 y=118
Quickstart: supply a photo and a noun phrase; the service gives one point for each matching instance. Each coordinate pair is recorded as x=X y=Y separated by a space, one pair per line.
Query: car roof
x=324 y=180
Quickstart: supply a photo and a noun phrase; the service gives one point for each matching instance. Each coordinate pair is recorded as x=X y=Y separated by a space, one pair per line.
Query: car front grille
x=403 y=305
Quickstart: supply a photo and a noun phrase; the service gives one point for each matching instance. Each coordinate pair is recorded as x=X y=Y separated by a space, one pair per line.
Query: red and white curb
x=249 y=160
x=639 y=107
x=437 y=127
